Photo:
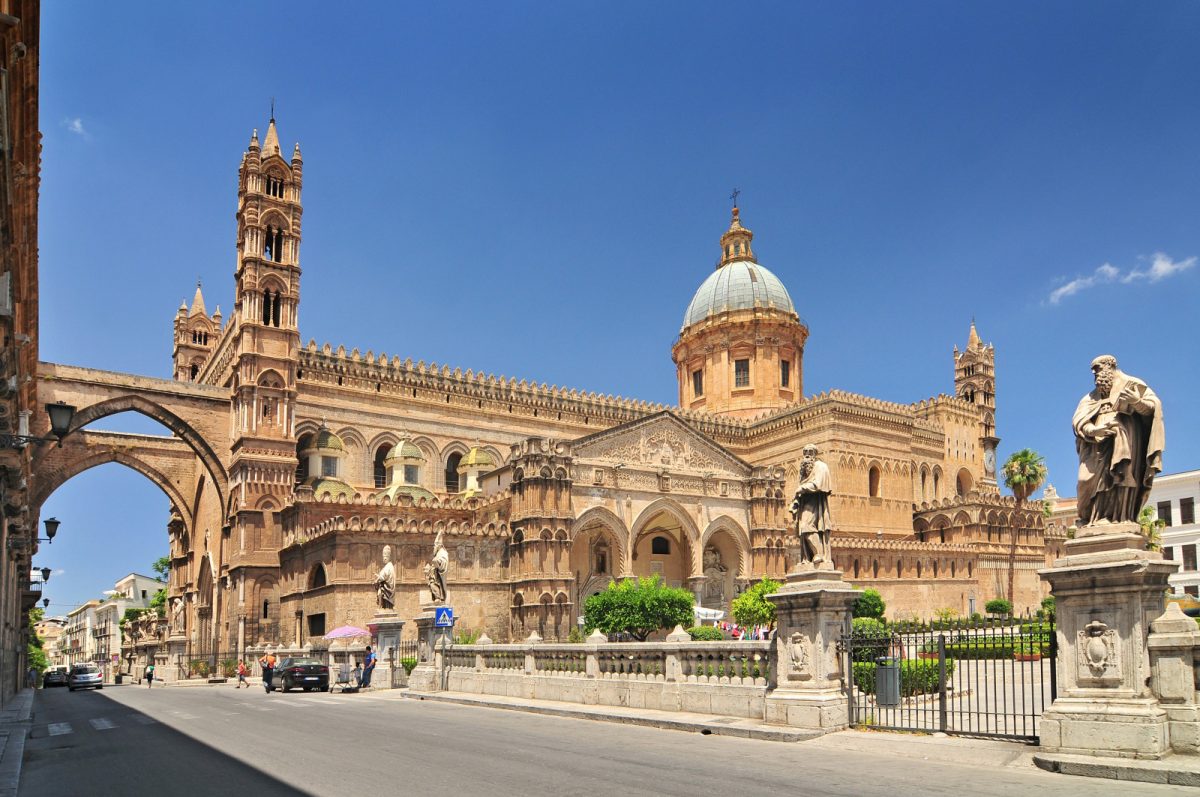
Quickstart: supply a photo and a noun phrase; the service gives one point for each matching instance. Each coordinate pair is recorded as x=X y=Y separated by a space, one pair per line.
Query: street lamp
x=60 y=414
x=51 y=524
x=45 y=574
x=45 y=603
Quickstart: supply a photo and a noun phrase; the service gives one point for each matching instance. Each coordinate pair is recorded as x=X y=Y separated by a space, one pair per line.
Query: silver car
x=85 y=676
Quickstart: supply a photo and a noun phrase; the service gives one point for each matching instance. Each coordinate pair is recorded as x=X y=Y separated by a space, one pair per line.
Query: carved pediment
x=661 y=441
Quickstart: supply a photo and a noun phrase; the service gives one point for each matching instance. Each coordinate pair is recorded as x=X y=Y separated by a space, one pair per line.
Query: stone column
x=1173 y=642
x=168 y=669
x=1108 y=589
x=386 y=628
x=812 y=611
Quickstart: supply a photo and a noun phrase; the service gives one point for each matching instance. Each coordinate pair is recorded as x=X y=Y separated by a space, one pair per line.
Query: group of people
x=362 y=673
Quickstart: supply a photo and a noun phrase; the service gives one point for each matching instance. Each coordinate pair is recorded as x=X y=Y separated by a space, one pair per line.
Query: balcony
x=30 y=595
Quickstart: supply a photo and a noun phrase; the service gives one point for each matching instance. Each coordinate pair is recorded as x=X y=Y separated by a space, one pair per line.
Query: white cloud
x=1161 y=266
x=60 y=572
x=75 y=126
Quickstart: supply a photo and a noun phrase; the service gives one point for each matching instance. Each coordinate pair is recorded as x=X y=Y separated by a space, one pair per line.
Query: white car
x=85 y=676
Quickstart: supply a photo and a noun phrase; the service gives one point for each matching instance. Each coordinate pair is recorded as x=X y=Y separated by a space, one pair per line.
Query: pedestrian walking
x=368 y=667
x=149 y=675
x=242 y=673
x=31 y=678
x=267 y=662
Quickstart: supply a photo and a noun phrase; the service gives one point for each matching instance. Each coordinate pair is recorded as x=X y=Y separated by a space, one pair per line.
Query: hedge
x=917 y=677
x=705 y=633
x=989 y=649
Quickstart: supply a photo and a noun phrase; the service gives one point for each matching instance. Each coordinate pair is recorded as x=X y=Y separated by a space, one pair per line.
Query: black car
x=302 y=672
x=54 y=678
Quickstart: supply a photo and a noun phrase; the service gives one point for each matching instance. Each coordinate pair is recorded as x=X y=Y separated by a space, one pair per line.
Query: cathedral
x=545 y=495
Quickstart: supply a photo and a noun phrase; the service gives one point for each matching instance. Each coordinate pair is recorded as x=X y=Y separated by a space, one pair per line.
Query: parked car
x=55 y=677
x=302 y=672
x=85 y=676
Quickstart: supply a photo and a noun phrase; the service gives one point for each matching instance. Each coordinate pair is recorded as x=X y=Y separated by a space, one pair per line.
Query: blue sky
x=536 y=190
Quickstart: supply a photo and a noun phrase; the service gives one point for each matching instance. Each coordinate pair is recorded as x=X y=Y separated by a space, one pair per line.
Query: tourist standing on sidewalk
x=149 y=675
x=368 y=667
x=267 y=662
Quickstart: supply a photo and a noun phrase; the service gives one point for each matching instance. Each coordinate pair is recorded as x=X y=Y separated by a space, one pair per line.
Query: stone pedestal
x=385 y=628
x=431 y=641
x=812 y=611
x=1108 y=589
x=166 y=667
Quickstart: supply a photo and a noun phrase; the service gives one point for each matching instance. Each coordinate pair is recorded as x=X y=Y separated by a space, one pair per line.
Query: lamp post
x=60 y=414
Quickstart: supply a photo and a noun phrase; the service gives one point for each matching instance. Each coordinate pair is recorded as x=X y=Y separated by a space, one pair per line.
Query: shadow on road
x=135 y=756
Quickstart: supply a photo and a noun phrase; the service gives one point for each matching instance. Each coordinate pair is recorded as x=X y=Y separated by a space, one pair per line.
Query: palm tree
x=1024 y=472
x=1152 y=526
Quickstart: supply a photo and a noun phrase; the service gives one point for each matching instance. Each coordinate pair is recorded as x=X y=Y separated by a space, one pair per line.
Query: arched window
x=875 y=568
x=660 y=545
x=965 y=482
x=452 y=461
x=937 y=484
x=266 y=609
x=856 y=568
x=918 y=568
x=266 y=307
x=381 y=454
x=275 y=309
x=898 y=568
x=316 y=578
x=873 y=481
x=195 y=371
x=302 y=467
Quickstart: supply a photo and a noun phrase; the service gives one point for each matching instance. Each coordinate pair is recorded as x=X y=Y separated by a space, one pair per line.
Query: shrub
x=638 y=607
x=409 y=663
x=576 y=636
x=869 y=604
x=467 y=637
x=869 y=639
x=705 y=633
x=752 y=608
x=1047 y=610
x=999 y=606
x=228 y=667
x=917 y=677
x=200 y=668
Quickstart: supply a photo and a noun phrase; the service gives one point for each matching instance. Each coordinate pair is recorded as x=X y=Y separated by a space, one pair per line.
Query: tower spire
x=271 y=140
x=973 y=341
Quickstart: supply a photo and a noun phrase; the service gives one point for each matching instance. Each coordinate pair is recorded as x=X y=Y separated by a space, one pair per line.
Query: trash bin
x=887 y=681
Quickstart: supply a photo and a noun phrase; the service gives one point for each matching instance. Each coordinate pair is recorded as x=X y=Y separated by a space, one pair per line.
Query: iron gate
x=987 y=677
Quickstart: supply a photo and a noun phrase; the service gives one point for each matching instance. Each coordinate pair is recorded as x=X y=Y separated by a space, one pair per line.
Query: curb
x=1175 y=770
x=727 y=726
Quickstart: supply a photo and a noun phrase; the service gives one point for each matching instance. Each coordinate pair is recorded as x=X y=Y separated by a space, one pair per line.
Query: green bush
x=409 y=663
x=1046 y=612
x=752 y=608
x=576 y=636
x=992 y=649
x=869 y=604
x=869 y=639
x=999 y=606
x=917 y=677
x=705 y=633
x=200 y=668
x=228 y=667
x=467 y=637
x=638 y=607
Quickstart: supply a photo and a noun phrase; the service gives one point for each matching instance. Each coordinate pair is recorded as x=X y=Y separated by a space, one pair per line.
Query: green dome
x=327 y=441
x=477 y=458
x=413 y=490
x=405 y=450
x=327 y=486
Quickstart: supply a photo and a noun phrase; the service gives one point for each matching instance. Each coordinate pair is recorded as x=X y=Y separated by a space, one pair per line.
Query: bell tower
x=975 y=382
x=267 y=343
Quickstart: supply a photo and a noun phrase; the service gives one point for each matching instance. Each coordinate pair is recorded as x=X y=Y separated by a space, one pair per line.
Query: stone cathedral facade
x=546 y=494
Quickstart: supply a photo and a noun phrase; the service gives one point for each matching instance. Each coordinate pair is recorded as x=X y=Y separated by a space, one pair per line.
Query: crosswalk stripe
x=59 y=728
x=101 y=724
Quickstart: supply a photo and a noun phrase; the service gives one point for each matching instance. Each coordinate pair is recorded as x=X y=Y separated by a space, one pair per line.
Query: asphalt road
x=130 y=740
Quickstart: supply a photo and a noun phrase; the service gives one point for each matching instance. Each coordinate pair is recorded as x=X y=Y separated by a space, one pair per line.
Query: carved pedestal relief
x=798 y=647
x=1097 y=656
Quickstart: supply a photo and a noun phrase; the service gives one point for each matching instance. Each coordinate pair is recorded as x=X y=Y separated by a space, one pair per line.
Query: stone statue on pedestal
x=1119 y=437
x=385 y=582
x=177 y=616
x=435 y=570
x=810 y=511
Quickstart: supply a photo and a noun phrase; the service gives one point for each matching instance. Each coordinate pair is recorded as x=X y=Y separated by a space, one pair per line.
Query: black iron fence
x=985 y=677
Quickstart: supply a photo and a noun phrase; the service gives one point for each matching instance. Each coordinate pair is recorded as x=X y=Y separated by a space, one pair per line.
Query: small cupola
x=325 y=455
x=735 y=243
x=476 y=463
x=403 y=465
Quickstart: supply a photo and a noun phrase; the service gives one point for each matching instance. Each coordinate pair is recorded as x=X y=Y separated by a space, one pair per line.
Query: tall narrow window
x=873 y=481
x=329 y=467
x=741 y=373
x=380 y=469
x=452 y=473
x=266 y=609
x=412 y=474
x=266 y=307
x=1164 y=512
x=785 y=373
x=1187 y=511
x=275 y=311
x=195 y=370
x=1189 y=557
x=698 y=383
x=269 y=244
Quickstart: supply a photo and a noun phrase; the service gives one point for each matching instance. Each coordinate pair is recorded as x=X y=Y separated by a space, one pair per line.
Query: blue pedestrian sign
x=443 y=617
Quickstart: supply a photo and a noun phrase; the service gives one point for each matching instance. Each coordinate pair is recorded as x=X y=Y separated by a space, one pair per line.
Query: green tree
x=869 y=604
x=34 y=650
x=638 y=607
x=162 y=569
x=999 y=607
x=1152 y=526
x=1024 y=472
x=752 y=607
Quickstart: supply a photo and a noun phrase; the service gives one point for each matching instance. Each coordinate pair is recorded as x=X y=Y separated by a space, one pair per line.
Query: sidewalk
x=14 y=725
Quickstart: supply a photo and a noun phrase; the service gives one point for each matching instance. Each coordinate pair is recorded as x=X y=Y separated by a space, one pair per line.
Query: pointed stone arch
x=178 y=426
x=691 y=534
x=740 y=539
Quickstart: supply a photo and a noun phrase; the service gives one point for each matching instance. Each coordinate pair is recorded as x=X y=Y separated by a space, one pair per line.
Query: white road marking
x=59 y=728
x=101 y=724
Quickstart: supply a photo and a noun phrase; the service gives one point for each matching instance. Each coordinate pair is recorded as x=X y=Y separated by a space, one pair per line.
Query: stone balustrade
x=722 y=678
